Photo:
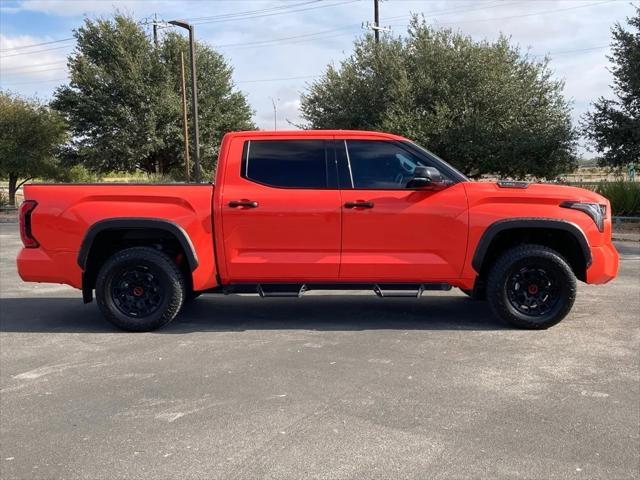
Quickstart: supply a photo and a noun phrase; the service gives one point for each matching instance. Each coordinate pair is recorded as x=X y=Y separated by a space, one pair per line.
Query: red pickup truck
x=339 y=210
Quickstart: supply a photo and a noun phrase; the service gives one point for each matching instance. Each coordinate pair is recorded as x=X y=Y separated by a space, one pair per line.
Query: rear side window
x=286 y=163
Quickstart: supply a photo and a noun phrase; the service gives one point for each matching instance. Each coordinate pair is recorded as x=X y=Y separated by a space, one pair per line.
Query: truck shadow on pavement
x=229 y=314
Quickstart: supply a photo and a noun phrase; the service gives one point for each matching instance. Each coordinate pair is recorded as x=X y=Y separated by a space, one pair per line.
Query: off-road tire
x=164 y=272
x=534 y=257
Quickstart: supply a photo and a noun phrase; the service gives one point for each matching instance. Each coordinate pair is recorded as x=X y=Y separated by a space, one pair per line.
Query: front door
x=281 y=212
x=390 y=232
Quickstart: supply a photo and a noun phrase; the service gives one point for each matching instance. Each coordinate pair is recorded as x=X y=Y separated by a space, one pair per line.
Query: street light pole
x=274 y=102
x=194 y=92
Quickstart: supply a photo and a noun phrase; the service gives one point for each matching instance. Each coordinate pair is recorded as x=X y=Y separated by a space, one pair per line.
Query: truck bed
x=65 y=213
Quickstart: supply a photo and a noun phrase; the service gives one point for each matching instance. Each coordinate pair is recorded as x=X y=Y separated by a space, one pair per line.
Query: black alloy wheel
x=137 y=292
x=532 y=290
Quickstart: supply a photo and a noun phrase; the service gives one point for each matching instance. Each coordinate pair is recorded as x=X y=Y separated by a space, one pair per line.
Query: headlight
x=596 y=211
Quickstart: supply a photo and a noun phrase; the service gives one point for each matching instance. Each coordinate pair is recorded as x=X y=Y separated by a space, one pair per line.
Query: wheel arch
x=563 y=236
x=99 y=238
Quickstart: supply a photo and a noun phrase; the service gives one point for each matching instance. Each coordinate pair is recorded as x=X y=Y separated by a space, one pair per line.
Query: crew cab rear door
x=280 y=210
x=390 y=232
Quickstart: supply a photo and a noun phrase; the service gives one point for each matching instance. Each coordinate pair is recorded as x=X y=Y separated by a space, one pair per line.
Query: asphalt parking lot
x=320 y=387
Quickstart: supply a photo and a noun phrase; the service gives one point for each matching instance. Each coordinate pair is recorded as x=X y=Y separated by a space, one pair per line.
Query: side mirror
x=425 y=177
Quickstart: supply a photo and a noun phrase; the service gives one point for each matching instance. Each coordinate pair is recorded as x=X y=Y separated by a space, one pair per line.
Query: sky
x=277 y=47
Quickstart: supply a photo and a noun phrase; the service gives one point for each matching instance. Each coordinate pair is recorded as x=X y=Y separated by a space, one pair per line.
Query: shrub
x=624 y=196
x=80 y=174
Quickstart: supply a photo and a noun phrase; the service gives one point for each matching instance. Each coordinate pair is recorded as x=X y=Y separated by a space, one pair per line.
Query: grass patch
x=624 y=197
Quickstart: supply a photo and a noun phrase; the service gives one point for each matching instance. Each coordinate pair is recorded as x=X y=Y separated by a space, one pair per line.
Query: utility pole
x=275 y=112
x=187 y=167
x=375 y=26
x=155 y=43
x=194 y=91
x=155 y=29
x=376 y=20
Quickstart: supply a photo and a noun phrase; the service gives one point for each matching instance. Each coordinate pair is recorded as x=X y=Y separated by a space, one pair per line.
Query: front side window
x=286 y=163
x=379 y=164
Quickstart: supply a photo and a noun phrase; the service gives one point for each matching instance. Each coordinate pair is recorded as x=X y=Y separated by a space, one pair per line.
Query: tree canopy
x=613 y=126
x=485 y=107
x=123 y=101
x=30 y=135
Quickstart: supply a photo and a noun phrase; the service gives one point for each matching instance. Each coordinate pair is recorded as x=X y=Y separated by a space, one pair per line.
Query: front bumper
x=604 y=264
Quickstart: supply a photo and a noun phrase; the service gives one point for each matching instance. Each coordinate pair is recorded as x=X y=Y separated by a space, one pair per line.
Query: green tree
x=484 y=107
x=123 y=101
x=30 y=135
x=613 y=126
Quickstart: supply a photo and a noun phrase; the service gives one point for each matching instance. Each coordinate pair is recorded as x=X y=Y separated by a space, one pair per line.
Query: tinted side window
x=286 y=163
x=380 y=164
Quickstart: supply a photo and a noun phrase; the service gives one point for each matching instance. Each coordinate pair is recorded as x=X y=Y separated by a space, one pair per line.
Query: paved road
x=346 y=387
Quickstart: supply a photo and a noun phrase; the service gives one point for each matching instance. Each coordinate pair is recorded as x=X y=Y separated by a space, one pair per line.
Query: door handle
x=359 y=204
x=243 y=203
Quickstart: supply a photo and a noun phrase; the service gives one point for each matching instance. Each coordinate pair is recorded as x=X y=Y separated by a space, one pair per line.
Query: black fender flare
x=521 y=223
x=137 y=224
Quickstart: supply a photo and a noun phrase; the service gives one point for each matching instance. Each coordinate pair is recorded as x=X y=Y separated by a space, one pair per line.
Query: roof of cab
x=346 y=134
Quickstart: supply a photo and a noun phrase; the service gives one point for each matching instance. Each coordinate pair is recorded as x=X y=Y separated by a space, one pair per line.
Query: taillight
x=25 y=224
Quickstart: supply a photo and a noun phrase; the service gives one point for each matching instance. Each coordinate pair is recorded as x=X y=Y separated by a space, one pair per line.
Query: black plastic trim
x=137 y=224
x=520 y=223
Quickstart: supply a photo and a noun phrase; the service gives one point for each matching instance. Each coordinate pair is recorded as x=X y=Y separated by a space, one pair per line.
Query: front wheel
x=140 y=289
x=531 y=286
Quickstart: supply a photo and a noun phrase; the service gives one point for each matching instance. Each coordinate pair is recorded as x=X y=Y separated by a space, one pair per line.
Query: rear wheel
x=140 y=289
x=531 y=286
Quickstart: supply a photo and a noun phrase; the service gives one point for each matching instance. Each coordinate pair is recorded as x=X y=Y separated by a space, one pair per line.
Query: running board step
x=415 y=290
x=295 y=290
x=281 y=289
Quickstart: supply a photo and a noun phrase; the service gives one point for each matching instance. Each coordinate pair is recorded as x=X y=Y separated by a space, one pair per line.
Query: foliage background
x=484 y=107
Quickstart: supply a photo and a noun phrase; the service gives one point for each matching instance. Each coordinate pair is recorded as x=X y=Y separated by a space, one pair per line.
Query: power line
x=320 y=35
x=558 y=52
x=277 y=13
x=22 y=47
x=455 y=10
x=278 y=79
x=562 y=52
x=261 y=80
x=22 y=67
x=213 y=19
x=252 y=12
x=527 y=14
x=35 y=81
x=27 y=72
x=35 y=51
x=282 y=39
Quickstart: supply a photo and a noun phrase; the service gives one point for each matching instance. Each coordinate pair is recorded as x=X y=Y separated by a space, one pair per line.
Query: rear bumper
x=604 y=264
x=37 y=265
